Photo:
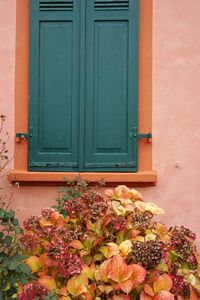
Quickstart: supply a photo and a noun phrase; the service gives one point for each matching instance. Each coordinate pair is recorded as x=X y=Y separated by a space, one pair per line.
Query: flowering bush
x=109 y=248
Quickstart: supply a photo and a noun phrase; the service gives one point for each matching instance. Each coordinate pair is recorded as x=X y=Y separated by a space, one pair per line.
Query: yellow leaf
x=34 y=263
x=105 y=288
x=148 y=206
x=125 y=247
x=76 y=244
x=150 y=237
x=110 y=250
x=77 y=285
x=163 y=283
x=48 y=282
x=45 y=223
x=118 y=208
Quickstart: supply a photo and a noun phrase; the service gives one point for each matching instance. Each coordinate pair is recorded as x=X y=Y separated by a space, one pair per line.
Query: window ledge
x=142 y=178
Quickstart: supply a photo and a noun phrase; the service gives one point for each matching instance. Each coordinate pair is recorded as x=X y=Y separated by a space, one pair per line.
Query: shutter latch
x=135 y=135
x=23 y=136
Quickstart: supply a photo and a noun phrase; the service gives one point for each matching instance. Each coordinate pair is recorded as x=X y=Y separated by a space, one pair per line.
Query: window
x=144 y=175
x=83 y=87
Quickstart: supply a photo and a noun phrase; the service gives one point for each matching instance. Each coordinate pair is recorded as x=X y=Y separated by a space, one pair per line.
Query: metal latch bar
x=22 y=136
x=135 y=135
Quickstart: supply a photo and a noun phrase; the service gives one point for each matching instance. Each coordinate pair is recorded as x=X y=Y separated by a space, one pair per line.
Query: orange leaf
x=121 y=297
x=48 y=282
x=76 y=244
x=148 y=290
x=34 y=263
x=45 y=223
x=103 y=270
x=144 y=296
x=98 y=241
x=132 y=233
x=89 y=271
x=126 y=286
x=109 y=193
x=163 y=283
x=118 y=270
x=105 y=288
x=107 y=220
x=110 y=250
x=164 y=295
x=193 y=294
x=138 y=274
x=77 y=285
x=64 y=291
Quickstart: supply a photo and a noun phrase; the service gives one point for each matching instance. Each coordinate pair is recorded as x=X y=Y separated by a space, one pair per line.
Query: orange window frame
x=145 y=174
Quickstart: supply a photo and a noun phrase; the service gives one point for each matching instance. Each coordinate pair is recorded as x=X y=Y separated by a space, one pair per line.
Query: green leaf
x=8 y=240
x=25 y=269
x=13 y=265
x=2 y=212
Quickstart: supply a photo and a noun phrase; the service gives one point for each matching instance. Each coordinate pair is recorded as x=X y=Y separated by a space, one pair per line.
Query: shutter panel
x=53 y=85
x=111 y=85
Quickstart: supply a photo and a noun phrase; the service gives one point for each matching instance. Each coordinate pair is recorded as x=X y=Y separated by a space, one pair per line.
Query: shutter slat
x=111 y=4
x=55 y=5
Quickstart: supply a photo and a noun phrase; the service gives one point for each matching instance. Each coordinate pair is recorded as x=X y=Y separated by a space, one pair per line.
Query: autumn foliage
x=109 y=247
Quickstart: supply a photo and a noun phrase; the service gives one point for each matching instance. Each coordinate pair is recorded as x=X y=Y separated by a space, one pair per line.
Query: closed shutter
x=83 y=85
x=111 y=85
x=53 y=85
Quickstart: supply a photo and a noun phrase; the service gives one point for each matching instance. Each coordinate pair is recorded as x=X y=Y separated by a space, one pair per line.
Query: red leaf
x=138 y=274
x=98 y=241
x=144 y=296
x=121 y=297
x=164 y=295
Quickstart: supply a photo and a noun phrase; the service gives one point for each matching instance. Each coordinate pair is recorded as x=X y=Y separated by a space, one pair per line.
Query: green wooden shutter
x=83 y=85
x=53 y=85
x=111 y=85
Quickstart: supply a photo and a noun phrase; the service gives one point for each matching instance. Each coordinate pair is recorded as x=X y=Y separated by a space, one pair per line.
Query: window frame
x=145 y=174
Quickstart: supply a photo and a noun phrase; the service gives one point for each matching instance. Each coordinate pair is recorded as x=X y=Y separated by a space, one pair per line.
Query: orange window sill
x=142 y=178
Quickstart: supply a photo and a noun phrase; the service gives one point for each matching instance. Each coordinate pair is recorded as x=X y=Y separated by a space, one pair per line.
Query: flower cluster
x=33 y=290
x=109 y=247
x=29 y=241
x=70 y=264
x=90 y=205
x=148 y=253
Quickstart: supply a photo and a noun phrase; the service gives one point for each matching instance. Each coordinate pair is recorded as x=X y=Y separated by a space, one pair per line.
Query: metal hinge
x=135 y=135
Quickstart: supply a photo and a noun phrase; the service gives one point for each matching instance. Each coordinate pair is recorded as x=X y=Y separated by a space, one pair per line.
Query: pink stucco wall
x=176 y=110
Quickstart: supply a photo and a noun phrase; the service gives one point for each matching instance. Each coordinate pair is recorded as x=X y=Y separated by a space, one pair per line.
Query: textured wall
x=176 y=106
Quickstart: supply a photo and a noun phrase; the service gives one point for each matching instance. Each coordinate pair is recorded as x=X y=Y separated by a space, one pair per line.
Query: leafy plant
x=109 y=247
x=12 y=267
